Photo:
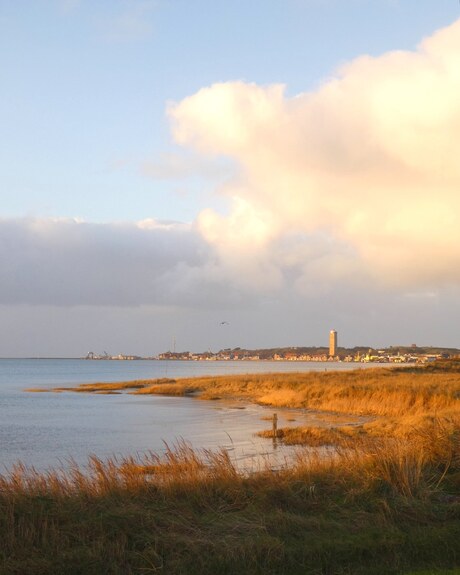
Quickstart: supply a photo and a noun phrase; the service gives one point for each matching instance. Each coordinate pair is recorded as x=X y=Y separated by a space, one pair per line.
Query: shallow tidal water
x=48 y=430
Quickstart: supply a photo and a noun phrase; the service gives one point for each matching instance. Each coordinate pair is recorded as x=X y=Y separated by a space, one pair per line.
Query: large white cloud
x=366 y=166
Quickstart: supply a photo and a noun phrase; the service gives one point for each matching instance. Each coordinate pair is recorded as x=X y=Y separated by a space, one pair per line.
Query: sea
x=56 y=430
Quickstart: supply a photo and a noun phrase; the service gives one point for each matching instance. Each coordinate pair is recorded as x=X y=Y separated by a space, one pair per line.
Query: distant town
x=358 y=354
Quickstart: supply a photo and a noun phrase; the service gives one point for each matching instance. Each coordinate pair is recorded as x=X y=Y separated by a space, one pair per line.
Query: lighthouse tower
x=332 y=343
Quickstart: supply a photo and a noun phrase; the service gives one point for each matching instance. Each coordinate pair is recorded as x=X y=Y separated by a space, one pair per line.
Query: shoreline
x=386 y=396
x=387 y=500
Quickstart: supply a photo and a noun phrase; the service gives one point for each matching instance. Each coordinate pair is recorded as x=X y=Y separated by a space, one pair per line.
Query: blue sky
x=86 y=139
x=86 y=86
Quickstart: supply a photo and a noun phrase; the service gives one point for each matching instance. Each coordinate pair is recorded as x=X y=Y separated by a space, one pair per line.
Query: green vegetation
x=383 y=499
x=360 y=512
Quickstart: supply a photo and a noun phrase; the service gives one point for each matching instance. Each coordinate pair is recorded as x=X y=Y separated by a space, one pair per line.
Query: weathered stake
x=275 y=425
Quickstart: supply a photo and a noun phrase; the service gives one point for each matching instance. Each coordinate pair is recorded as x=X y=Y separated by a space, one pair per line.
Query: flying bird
x=224 y=323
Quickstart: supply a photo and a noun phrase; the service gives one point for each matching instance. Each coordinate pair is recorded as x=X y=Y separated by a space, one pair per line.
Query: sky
x=208 y=174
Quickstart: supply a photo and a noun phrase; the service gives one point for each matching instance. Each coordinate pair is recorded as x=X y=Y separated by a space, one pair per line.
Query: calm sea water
x=45 y=430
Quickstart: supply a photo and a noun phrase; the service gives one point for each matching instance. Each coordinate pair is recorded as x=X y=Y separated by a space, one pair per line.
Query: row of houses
x=242 y=355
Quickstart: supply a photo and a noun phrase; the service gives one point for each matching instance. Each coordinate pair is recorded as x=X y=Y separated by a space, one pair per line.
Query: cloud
x=340 y=195
x=67 y=262
x=366 y=165
x=166 y=265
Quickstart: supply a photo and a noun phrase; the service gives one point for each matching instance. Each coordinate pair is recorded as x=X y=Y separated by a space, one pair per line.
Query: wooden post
x=275 y=425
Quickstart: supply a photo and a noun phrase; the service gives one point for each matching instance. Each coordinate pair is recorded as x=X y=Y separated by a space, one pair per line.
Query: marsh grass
x=171 y=389
x=368 y=508
x=308 y=435
x=380 y=391
x=379 y=497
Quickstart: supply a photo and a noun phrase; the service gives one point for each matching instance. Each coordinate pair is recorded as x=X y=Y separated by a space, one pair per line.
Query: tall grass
x=383 y=498
x=400 y=464
x=355 y=509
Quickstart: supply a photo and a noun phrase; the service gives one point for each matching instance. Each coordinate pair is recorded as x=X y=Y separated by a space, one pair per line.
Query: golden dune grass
x=380 y=391
x=402 y=464
x=172 y=389
x=103 y=387
x=179 y=465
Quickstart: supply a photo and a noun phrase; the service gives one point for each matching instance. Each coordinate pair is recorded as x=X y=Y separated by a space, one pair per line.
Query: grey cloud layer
x=66 y=262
